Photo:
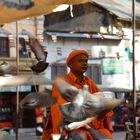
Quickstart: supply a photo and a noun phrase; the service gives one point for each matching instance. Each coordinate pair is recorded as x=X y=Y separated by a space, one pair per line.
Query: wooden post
x=133 y=67
x=17 y=88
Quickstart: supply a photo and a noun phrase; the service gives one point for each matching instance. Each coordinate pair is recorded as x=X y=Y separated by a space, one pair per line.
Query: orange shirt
x=56 y=114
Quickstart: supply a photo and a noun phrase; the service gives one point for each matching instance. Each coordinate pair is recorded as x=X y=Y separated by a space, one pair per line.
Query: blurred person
x=137 y=119
x=138 y=112
x=39 y=121
x=77 y=61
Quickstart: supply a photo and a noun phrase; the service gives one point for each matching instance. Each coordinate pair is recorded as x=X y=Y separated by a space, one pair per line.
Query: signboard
x=13 y=89
x=112 y=66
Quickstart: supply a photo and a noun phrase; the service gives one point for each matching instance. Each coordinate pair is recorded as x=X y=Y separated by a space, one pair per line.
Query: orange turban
x=75 y=53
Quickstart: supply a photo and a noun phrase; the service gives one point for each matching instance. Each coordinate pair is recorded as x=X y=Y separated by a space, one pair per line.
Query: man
x=138 y=111
x=39 y=121
x=77 y=61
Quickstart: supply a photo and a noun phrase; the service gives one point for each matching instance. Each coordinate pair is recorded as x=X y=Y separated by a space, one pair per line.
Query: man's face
x=79 y=64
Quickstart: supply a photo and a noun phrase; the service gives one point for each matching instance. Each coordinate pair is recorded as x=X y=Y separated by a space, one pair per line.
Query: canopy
x=41 y=7
x=122 y=9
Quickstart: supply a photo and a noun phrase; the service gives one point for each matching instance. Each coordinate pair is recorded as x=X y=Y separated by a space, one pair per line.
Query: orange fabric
x=73 y=54
x=48 y=128
x=46 y=134
x=56 y=115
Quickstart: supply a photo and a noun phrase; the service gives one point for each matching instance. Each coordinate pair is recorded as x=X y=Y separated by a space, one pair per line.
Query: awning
x=85 y=35
x=41 y=7
x=4 y=32
x=121 y=8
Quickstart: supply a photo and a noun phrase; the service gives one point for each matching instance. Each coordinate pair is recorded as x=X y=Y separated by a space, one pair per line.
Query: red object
x=6 y=124
x=39 y=115
x=38 y=112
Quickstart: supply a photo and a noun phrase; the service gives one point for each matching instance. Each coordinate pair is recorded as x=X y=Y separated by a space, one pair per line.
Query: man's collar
x=74 y=78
